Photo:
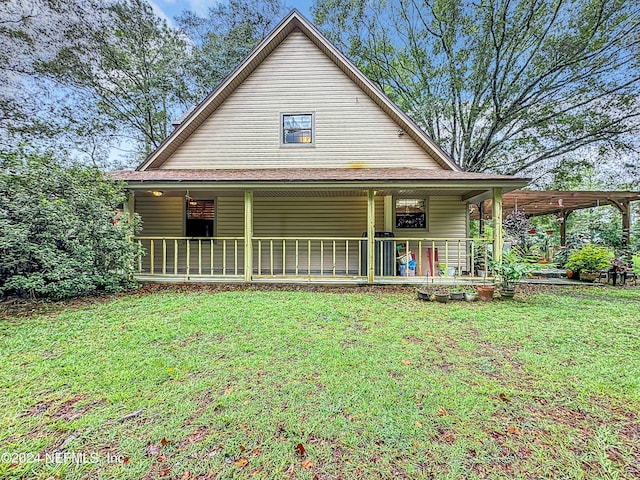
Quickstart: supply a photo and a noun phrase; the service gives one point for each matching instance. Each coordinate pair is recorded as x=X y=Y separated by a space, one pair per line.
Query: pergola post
x=248 y=235
x=626 y=224
x=371 y=233
x=563 y=228
x=480 y=219
x=497 y=224
x=625 y=209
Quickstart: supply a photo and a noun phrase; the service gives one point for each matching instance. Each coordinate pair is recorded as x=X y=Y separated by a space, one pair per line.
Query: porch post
x=497 y=224
x=128 y=207
x=248 y=235
x=371 y=233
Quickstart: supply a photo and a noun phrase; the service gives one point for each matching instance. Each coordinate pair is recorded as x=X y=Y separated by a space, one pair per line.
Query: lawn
x=360 y=383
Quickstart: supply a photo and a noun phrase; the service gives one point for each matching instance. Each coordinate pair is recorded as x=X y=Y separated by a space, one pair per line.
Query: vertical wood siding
x=350 y=129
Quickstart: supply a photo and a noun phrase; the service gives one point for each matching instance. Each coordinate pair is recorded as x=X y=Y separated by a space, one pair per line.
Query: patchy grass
x=361 y=383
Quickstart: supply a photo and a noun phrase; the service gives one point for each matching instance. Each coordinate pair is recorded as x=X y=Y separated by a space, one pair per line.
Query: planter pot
x=507 y=294
x=470 y=296
x=485 y=292
x=457 y=295
x=480 y=272
x=572 y=274
x=588 y=276
x=442 y=297
x=424 y=295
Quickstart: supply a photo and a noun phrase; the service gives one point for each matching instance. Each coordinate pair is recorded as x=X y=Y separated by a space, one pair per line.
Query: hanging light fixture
x=157 y=193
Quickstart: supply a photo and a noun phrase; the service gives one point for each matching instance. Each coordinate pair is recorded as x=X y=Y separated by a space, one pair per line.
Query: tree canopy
x=502 y=85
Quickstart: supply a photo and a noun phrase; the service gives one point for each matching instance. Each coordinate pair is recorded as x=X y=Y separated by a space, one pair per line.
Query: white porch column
x=497 y=224
x=248 y=235
x=371 y=234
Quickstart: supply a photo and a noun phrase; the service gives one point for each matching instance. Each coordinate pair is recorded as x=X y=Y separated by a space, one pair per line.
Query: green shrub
x=60 y=231
x=510 y=270
x=589 y=258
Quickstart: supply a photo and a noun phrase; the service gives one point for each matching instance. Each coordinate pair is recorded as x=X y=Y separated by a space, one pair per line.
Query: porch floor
x=355 y=281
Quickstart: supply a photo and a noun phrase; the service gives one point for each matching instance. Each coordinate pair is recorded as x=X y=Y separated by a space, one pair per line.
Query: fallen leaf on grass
x=161 y=458
x=125 y=461
x=300 y=449
x=256 y=471
x=504 y=398
x=164 y=472
x=241 y=462
x=308 y=464
x=256 y=451
x=153 y=450
x=442 y=412
x=242 y=448
x=185 y=476
x=418 y=424
x=406 y=362
x=514 y=431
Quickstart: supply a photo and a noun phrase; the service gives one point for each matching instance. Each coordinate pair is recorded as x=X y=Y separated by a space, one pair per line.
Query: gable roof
x=295 y=21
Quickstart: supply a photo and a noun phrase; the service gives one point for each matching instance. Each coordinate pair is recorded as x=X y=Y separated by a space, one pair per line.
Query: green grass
x=372 y=384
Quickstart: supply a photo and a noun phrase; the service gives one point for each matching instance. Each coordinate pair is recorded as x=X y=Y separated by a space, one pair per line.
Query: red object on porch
x=431 y=263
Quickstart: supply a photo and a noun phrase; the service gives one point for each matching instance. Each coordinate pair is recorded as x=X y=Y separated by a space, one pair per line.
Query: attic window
x=297 y=129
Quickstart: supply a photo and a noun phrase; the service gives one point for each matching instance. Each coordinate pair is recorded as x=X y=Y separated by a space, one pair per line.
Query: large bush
x=589 y=258
x=60 y=229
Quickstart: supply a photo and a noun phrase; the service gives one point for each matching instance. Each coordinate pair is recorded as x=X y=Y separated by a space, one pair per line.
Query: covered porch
x=333 y=232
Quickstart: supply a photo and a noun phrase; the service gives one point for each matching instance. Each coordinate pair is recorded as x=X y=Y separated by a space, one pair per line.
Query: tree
x=502 y=85
x=223 y=38
x=130 y=64
x=60 y=230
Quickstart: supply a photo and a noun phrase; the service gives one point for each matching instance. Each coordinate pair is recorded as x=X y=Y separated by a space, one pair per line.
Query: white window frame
x=313 y=130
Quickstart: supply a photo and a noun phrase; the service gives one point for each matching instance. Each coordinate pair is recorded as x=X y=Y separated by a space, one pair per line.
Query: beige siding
x=298 y=217
x=311 y=217
x=161 y=216
x=447 y=219
x=350 y=129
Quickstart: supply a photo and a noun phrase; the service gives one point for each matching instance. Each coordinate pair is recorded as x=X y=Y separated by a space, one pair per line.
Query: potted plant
x=442 y=295
x=508 y=272
x=589 y=260
x=424 y=294
x=470 y=295
x=481 y=258
x=457 y=293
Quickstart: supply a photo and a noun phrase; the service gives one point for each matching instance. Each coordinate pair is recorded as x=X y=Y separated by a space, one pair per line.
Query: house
x=297 y=168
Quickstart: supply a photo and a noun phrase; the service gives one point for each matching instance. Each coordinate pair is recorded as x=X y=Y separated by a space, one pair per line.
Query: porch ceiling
x=306 y=193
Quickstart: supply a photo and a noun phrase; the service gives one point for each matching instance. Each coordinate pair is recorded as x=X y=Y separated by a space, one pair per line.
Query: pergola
x=561 y=203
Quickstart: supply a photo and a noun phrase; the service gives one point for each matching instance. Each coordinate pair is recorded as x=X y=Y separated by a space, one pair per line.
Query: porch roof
x=317 y=175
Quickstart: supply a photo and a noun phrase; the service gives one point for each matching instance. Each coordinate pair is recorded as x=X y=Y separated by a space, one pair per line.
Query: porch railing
x=192 y=256
x=323 y=257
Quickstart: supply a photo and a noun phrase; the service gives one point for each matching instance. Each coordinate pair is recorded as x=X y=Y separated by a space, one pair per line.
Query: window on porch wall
x=200 y=218
x=411 y=213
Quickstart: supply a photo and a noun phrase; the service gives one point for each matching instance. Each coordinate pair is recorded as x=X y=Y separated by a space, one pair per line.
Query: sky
x=169 y=9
